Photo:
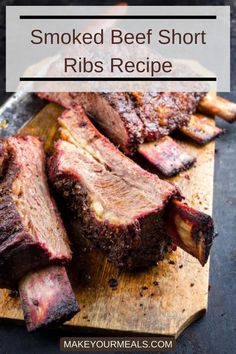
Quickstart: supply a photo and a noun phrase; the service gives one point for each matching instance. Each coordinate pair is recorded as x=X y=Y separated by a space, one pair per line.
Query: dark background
x=216 y=332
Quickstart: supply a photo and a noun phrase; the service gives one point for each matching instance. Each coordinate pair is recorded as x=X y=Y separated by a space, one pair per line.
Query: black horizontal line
x=118 y=79
x=122 y=17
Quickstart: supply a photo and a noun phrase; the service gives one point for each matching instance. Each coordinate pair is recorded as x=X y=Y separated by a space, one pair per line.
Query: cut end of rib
x=47 y=298
x=201 y=130
x=191 y=230
x=167 y=156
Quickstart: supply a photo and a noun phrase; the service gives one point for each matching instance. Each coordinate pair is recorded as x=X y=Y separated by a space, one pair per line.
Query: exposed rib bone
x=191 y=230
x=200 y=129
x=47 y=297
x=215 y=105
x=167 y=156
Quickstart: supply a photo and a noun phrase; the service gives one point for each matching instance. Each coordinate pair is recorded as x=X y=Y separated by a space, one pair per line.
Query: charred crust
x=55 y=306
x=207 y=228
x=122 y=103
x=58 y=314
x=176 y=171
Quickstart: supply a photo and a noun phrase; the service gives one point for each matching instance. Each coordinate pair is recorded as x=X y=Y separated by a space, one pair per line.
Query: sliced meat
x=167 y=156
x=163 y=112
x=200 y=129
x=32 y=234
x=114 y=112
x=122 y=208
x=47 y=297
x=118 y=205
x=129 y=119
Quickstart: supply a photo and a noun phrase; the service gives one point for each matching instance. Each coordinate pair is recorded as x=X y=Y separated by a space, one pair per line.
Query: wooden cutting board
x=162 y=300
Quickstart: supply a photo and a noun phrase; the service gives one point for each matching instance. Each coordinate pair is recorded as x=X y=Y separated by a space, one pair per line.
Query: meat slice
x=200 y=129
x=129 y=119
x=114 y=112
x=32 y=234
x=47 y=297
x=118 y=205
x=163 y=112
x=122 y=208
x=167 y=156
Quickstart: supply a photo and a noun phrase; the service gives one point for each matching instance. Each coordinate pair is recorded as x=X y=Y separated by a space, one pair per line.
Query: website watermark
x=116 y=344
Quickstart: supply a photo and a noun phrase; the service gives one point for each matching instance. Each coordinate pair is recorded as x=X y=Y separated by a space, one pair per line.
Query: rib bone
x=191 y=230
x=215 y=105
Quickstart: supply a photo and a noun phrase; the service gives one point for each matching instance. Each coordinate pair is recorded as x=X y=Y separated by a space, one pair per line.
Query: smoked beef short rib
x=129 y=119
x=31 y=231
x=117 y=204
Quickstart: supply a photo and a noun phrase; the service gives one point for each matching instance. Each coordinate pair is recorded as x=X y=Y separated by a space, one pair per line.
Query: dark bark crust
x=125 y=106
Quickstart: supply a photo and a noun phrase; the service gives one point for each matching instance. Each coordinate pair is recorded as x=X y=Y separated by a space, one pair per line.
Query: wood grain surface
x=164 y=299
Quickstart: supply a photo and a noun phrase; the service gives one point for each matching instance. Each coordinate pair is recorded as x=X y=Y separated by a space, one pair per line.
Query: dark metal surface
x=216 y=332
x=17 y=110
